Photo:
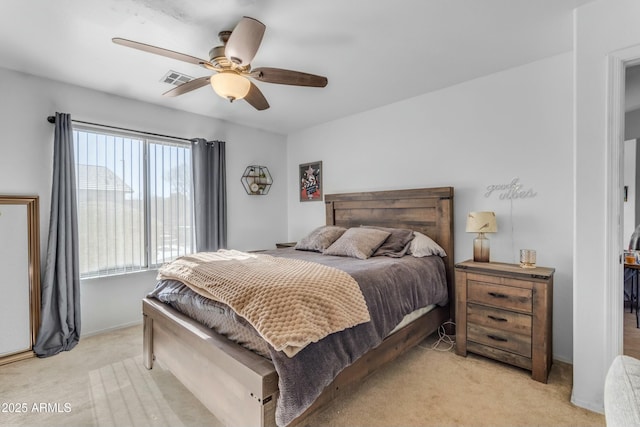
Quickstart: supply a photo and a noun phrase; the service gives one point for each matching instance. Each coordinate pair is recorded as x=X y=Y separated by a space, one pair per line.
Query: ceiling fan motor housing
x=216 y=56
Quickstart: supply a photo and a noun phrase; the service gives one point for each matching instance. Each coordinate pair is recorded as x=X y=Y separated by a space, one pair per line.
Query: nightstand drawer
x=508 y=297
x=499 y=319
x=516 y=343
x=497 y=354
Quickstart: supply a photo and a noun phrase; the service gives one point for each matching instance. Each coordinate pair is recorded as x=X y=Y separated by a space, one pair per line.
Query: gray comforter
x=392 y=288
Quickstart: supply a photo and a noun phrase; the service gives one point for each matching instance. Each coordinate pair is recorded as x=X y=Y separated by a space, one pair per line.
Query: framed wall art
x=310 y=182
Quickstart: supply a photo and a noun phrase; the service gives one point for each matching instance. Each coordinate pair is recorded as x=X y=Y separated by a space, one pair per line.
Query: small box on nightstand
x=285 y=245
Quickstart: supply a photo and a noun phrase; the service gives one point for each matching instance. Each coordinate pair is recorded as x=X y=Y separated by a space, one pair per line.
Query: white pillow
x=422 y=245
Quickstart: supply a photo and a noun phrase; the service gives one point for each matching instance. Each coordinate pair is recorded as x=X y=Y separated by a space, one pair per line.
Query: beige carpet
x=102 y=383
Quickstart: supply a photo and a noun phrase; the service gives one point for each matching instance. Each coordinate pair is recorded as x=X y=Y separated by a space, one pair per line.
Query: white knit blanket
x=290 y=302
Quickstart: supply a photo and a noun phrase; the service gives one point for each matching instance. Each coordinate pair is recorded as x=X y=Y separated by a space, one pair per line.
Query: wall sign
x=510 y=191
x=310 y=181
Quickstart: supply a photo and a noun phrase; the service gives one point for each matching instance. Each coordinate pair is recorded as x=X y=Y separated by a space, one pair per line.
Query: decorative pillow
x=422 y=245
x=358 y=242
x=396 y=244
x=320 y=238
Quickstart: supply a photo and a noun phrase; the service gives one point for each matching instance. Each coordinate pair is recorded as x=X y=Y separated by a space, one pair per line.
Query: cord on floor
x=443 y=339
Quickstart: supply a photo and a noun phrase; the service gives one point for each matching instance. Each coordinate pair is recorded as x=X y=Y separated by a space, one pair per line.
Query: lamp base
x=481 y=248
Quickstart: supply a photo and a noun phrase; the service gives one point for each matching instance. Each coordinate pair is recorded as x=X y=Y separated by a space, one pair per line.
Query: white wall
x=632 y=124
x=26 y=149
x=516 y=123
x=601 y=28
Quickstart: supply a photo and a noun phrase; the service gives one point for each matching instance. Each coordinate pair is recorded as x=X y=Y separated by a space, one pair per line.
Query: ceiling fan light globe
x=230 y=85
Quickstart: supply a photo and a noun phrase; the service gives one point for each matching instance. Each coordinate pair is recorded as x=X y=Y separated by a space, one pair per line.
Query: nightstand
x=285 y=245
x=504 y=312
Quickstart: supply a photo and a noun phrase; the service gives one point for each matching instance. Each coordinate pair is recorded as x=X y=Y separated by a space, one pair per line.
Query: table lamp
x=481 y=222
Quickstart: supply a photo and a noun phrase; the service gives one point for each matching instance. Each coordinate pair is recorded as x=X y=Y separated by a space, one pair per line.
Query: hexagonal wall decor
x=256 y=180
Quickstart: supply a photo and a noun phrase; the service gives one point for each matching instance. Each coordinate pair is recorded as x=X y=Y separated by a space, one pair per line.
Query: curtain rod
x=52 y=119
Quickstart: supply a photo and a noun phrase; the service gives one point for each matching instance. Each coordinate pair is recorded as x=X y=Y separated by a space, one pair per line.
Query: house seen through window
x=134 y=201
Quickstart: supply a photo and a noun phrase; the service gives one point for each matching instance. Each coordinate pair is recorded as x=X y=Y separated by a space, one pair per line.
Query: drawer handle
x=495 y=338
x=497 y=319
x=498 y=295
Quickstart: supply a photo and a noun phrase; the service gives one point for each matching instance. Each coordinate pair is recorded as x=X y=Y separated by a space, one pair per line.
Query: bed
x=241 y=387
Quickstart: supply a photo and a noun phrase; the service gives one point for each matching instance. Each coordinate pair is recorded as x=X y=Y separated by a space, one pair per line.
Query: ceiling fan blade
x=244 y=41
x=188 y=86
x=163 y=52
x=288 y=77
x=256 y=98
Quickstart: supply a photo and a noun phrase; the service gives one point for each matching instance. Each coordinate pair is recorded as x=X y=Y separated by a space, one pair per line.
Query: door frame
x=613 y=303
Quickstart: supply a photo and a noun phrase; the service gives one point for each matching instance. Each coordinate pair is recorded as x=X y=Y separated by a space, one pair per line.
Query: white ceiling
x=373 y=52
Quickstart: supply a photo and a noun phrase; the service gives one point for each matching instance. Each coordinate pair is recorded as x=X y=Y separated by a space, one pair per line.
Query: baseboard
x=563 y=360
x=587 y=405
x=111 y=329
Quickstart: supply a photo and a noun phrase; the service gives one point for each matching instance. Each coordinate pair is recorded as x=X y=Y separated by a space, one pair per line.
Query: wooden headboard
x=427 y=210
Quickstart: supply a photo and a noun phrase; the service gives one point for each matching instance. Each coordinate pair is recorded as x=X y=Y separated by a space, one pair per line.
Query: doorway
x=631 y=205
x=618 y=63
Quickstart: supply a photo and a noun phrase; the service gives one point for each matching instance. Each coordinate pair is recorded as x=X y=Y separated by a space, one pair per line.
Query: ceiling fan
x=232 y=64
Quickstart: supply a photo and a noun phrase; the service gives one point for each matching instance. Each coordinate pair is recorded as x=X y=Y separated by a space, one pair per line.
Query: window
x=134 y=201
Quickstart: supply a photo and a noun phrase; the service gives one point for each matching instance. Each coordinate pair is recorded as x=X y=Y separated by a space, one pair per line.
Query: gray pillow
x=396 y=244
x=422 y=245
x=358 y=242
x=320 y=238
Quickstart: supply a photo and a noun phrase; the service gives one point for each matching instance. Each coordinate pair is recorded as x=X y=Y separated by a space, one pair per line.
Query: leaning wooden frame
x=240 y=387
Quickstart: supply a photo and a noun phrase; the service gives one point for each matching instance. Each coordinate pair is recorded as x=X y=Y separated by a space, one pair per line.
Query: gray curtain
x=210 y=194
x=60 y=306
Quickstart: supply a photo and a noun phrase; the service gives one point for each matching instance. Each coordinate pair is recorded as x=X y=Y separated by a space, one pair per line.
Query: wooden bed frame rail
x=240 y=387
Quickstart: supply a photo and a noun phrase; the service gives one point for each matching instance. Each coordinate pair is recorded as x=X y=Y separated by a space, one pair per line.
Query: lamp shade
x=481 y=222
x=230 y=85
